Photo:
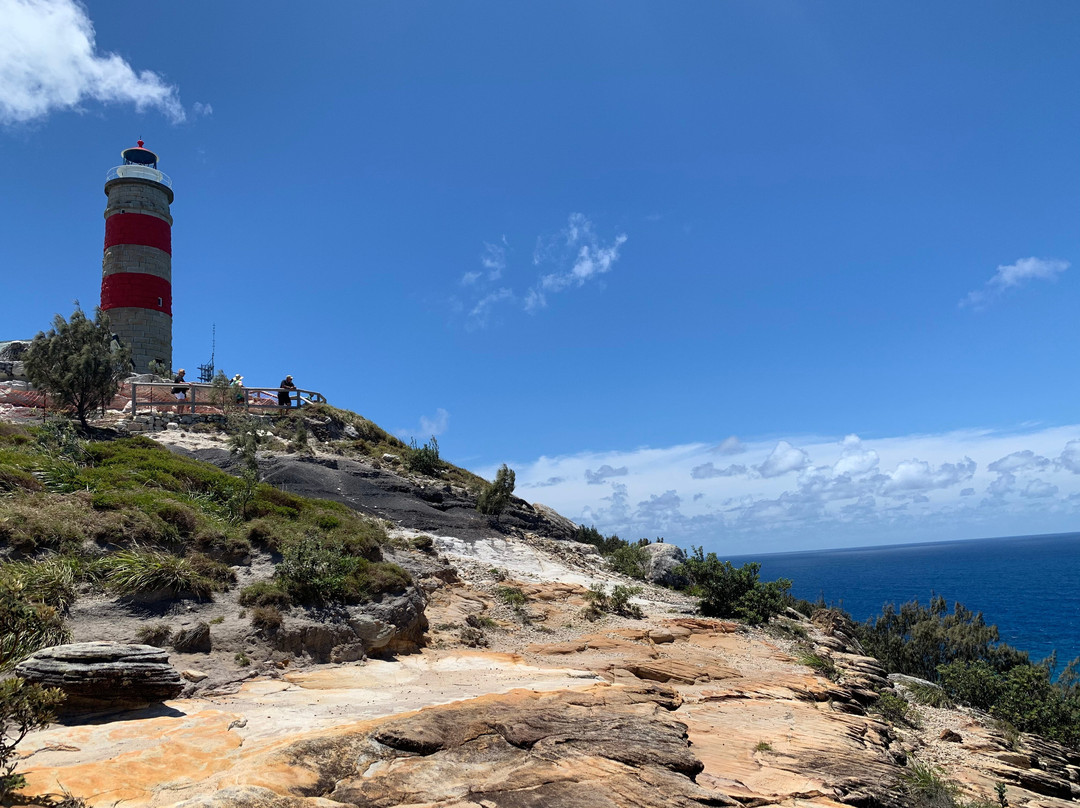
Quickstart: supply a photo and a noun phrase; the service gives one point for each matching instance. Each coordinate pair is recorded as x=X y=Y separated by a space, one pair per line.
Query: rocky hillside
x=477 y=672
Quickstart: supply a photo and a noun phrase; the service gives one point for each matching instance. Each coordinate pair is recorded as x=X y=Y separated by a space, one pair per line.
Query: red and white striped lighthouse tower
x=136 y=273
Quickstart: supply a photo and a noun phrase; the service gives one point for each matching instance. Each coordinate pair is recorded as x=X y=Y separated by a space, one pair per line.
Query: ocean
x=1029 y=586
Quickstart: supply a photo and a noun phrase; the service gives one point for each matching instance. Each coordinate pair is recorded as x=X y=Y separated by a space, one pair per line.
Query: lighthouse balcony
x=138 y=172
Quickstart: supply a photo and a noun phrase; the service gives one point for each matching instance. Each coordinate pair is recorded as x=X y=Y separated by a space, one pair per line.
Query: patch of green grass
x=763 y=746
x=512 y=596
x=147 y=572
x=895 y=710
x=928 y=694
x=267 y=618
x=822 y=664
x=52 y=581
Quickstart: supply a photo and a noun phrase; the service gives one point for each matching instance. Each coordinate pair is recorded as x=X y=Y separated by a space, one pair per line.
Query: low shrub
x=729 y=591
x=52 y=581
x=266 y=593
x=146 y=572
x=511 y=595
x=894 y=709
x=25 y=627
x=494 y=498
x=424 y=459
x=267 y=618
x=631 y=561
x=316 y=571
x=156 y=634
x=928 y=694
x=822 y=664
x=618 y=602
x=23 y=707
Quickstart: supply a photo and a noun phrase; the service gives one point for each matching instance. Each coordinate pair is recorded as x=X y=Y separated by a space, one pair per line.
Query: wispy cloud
x=1009 y=276
x=49 y=61
x=815 y=491
x=567 y=259
x=429 y=426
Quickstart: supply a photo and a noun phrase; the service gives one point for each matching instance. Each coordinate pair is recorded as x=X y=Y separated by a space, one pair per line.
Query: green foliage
x=917 y=639
x=618 y=602
x=895 y=709
x=495 y=497
x=1024 y=696
x=729 y=591
x=511 y=595
x=424 y=459
x=266 y=593
x=23 y=707
x=763 y=746
x=927 y=787
x=132 y=573
x=51 y=581
x=631 y=561
x=242 y=659
x=26 y=626
x=605 y=544
x=930 y=695
x=316 y=571
x=74 y=364
x=822 y=664
x=961 y=652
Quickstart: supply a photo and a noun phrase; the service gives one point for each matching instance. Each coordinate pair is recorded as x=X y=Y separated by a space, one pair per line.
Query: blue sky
x=753 y=275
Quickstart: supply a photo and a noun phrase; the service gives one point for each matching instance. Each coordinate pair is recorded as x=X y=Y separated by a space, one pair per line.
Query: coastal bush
x=617 y=602
x=729 y=591
x=147 y=572
x=631 y=561
x=26 y=626
x=266 y=593
x=895 y=709
x=23 y=707
x=52 y=581
x=916 y=639
x=423 y=459
x=822 y=664
x=493 y=500
x=268 y=618
x=511 y=595
x=315 y=571
x=928 y=694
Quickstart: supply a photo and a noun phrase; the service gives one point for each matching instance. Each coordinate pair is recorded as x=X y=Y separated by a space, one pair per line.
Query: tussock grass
x=147 y=572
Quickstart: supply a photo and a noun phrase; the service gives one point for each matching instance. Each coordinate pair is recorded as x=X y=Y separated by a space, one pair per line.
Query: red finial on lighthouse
x=140 y=143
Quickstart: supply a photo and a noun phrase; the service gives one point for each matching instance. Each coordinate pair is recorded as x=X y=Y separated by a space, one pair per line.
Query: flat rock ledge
x=104 y=675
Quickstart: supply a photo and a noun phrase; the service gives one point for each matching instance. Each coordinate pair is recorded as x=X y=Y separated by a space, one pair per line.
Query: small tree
x=494 y=499
x=75 y=365
x=23 y=707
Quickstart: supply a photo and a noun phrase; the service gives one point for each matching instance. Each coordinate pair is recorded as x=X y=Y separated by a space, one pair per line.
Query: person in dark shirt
x=180 y=392
x=284 y=394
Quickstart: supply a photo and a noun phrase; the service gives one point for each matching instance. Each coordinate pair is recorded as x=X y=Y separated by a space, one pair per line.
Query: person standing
x=180 y=392
x=237 y=388
x=284 y=396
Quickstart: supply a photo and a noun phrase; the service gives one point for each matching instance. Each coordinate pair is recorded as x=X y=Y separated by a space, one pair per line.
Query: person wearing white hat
x=284 y=396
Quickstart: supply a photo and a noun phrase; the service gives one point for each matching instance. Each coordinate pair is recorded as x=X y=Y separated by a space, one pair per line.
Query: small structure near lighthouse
x=136 y=273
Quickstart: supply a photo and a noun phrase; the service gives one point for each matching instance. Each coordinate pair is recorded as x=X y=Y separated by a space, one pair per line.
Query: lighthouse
x=136 y=273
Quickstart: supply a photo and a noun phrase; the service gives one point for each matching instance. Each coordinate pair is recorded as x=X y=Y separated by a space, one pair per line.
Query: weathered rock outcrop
x=393 y=625
x=663 y=559
x=104 y=675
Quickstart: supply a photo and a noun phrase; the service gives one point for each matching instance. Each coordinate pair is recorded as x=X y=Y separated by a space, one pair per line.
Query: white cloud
x=708 y=470
x=49 y=62
x=1070 y=457
x=574 y=256
x=494 y=259
x=200 y=108
x=478 y=315
x=605 y=472
x=913 y=476
x=784 y=458
x=730 y=446
x=429 y=427
x=855 y=492
x=1011 y=275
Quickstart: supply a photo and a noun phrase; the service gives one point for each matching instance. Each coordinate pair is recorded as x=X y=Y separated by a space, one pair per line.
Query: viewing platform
x=206 y=399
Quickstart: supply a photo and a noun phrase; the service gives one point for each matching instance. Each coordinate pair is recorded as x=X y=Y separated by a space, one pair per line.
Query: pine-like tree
x=494 y=499
x=75 y=365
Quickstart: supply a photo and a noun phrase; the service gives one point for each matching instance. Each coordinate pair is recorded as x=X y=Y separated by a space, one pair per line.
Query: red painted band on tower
x=136 y=290
x=138 y=228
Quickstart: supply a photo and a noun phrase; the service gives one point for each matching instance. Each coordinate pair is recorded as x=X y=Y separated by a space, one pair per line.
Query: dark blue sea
x=1029 y=586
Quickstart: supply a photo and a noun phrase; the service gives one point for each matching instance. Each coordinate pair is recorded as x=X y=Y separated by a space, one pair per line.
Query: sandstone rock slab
x=104 y=675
